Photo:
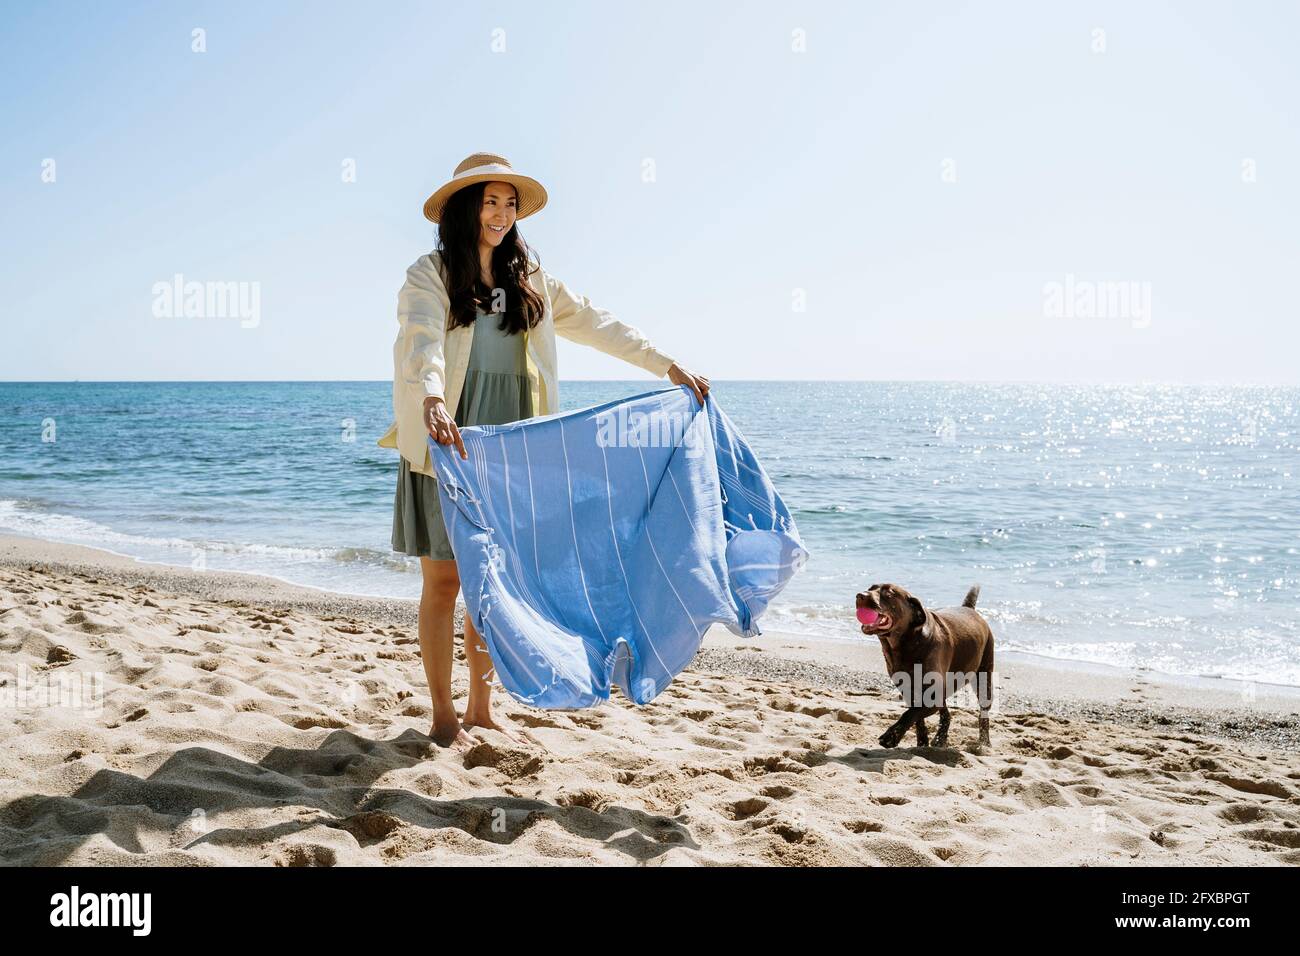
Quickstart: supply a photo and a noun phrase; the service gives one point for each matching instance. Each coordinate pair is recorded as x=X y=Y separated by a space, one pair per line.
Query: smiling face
x=497 y=214
x=889 y=610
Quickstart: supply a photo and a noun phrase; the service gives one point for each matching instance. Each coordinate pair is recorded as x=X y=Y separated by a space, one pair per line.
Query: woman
x=476 y=346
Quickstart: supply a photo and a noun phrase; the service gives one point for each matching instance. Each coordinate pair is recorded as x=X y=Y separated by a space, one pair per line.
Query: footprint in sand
x=863 y=826
x=1245 y=813
x=311 y=723
x=1288 y=839
x=58 y=655
x=1268 y=788
x=369 y=826
x=757 y=766
x=511 y=761
x=746 y=808
x=306 y=854
x=88 y=623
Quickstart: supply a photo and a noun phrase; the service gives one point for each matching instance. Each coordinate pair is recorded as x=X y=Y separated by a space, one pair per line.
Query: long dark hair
x=512 y=262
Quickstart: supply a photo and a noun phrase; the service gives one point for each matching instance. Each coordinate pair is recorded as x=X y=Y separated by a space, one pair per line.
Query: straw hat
x=486 y=168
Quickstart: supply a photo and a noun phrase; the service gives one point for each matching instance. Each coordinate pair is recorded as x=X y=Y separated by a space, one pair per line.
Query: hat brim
x=531 y=194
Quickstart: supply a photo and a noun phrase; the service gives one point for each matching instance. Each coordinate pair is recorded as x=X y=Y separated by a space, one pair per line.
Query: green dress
x=496 y=392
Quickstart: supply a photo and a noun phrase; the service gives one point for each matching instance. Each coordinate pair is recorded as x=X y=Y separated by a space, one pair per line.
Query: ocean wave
x=1188 y=648
x=1260 y=660
x=28 y=518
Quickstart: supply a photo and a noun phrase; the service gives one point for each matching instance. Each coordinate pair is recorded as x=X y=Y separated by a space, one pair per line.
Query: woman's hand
x=697 y=383
x=440 y=425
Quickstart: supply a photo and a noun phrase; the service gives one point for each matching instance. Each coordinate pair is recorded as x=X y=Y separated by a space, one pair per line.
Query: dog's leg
x=945 y=718
x=936 y=665
x=984 y=693
x=894 y=734
x=913 y=715
x=922 y=735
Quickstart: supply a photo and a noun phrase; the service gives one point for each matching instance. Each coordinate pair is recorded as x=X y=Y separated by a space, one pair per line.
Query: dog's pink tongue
x=867 y=616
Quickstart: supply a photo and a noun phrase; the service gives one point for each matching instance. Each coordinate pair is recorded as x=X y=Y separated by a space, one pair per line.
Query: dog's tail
x=971 y=596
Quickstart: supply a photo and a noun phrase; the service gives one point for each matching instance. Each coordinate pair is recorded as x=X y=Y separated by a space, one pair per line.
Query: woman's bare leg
x=478 y=712
x=437 y=612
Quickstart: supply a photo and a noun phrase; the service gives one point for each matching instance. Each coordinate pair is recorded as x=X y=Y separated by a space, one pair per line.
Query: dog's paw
x=888 y=741
x=940 y=741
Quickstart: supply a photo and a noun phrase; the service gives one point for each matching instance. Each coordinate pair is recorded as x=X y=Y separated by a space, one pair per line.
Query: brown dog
x=930 y=655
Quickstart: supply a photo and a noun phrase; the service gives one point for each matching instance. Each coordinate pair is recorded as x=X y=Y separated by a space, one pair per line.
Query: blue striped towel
x=595 y=547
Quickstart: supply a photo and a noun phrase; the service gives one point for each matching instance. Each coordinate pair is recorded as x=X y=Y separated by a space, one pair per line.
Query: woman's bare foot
x=451 y=734
x=487 y=723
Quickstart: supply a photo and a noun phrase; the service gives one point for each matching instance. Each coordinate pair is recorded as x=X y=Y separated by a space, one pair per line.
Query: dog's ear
x=920 y=619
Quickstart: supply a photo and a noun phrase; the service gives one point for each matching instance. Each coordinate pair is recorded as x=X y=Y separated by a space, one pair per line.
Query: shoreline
x=1215 y=707
x=247 y=721
x=64 y=553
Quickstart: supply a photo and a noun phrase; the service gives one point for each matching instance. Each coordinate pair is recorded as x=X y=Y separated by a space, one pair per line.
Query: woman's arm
x=579 y=321
x=422 y=308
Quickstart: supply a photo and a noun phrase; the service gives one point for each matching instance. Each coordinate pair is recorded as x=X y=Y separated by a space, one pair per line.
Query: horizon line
x=637 y=381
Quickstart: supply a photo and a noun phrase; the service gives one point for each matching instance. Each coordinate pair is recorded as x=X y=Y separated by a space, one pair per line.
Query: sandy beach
x=233 y=719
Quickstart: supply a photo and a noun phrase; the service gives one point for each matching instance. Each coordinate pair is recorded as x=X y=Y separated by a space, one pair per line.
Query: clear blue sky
x=776 y=171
